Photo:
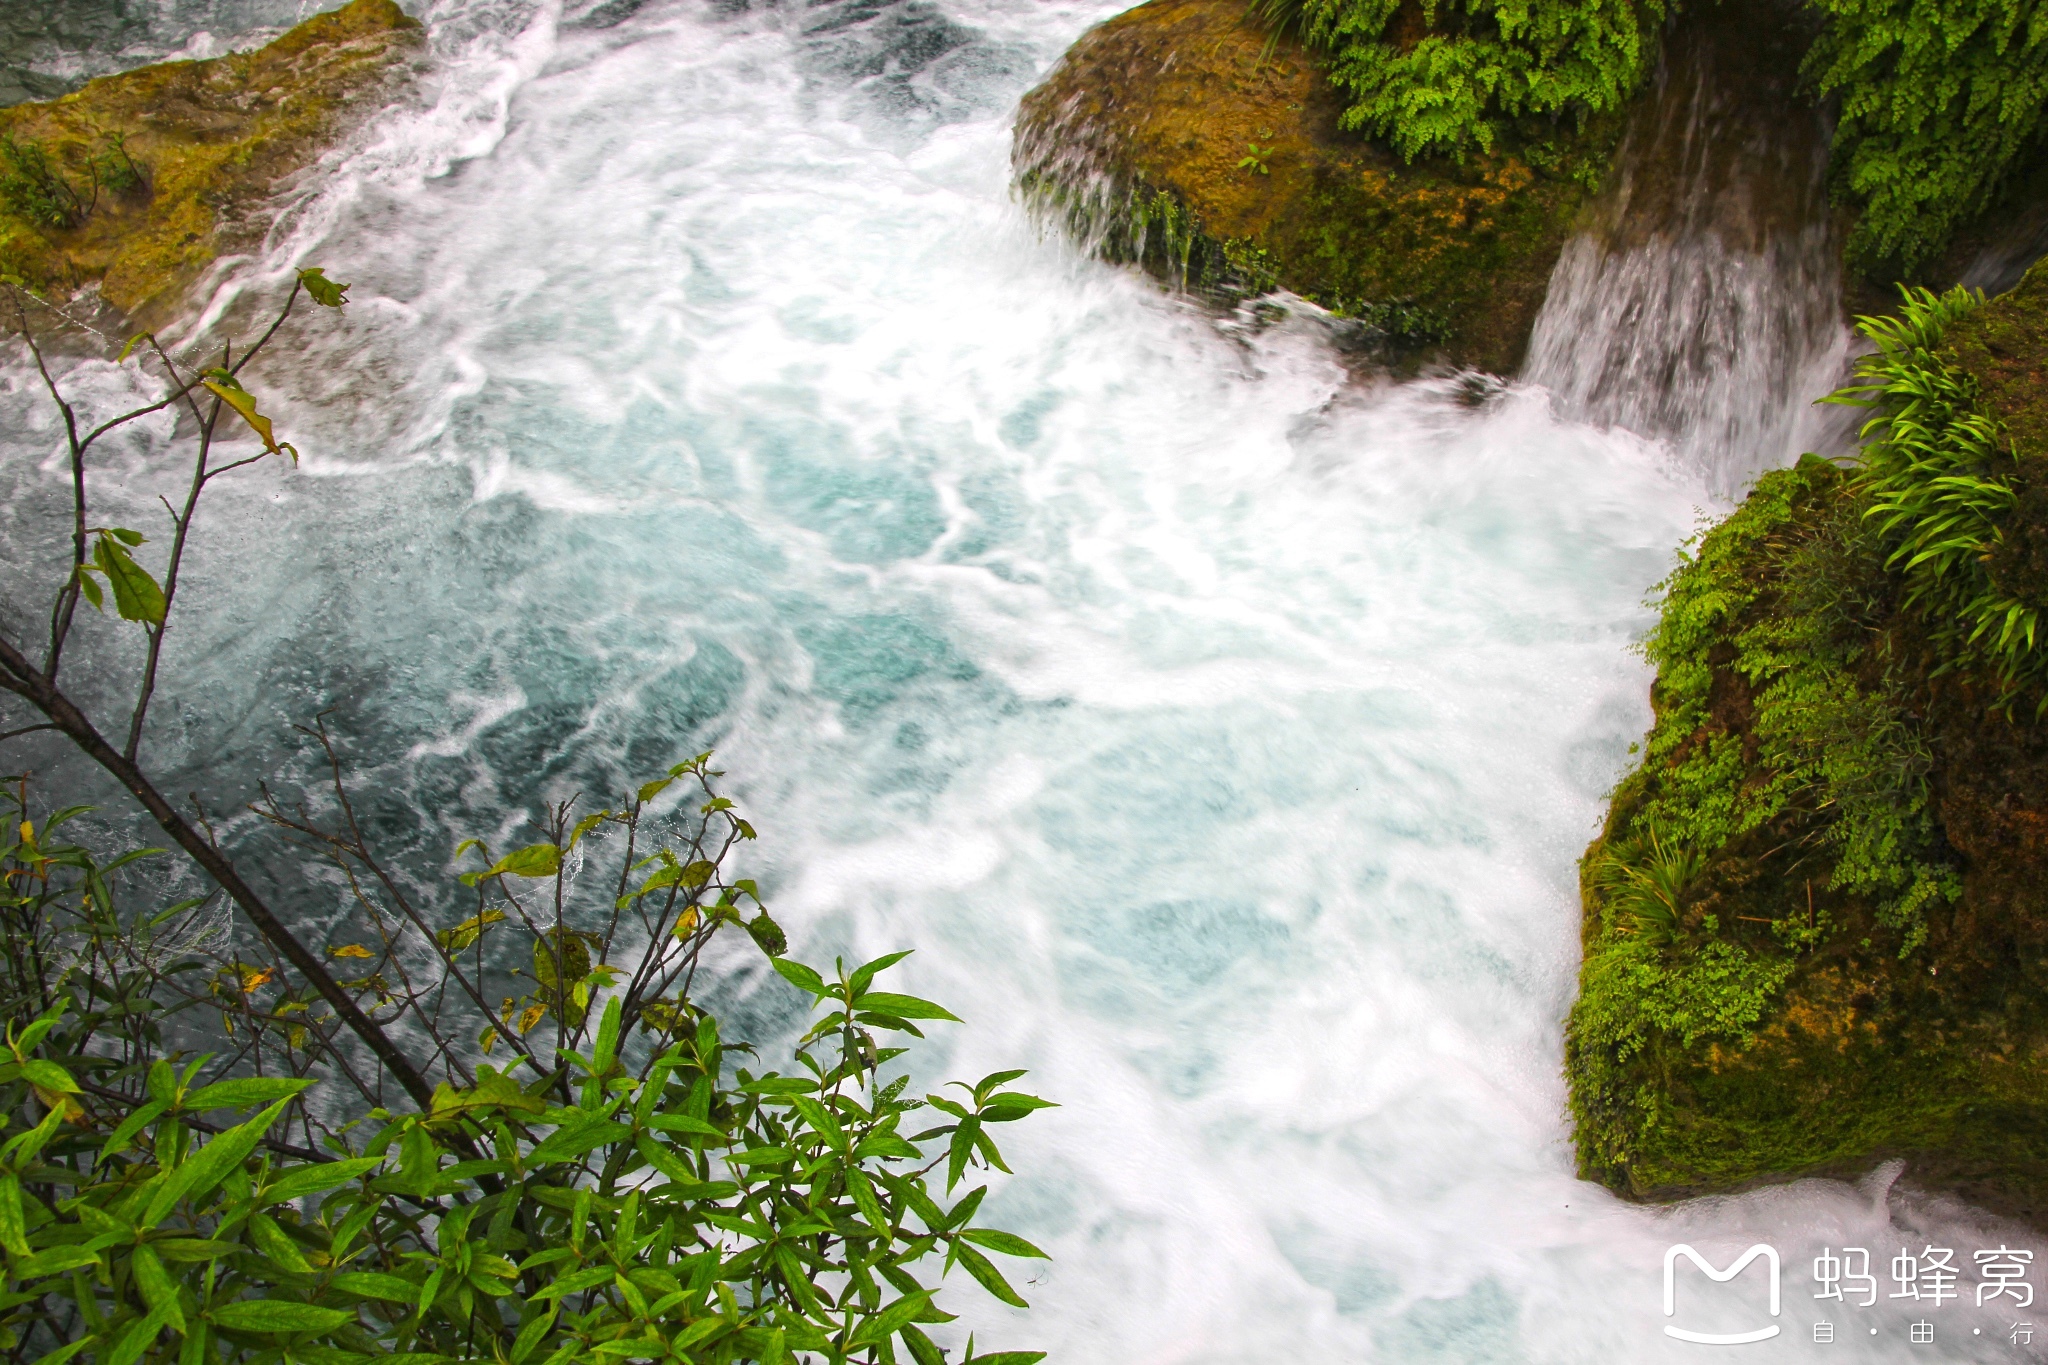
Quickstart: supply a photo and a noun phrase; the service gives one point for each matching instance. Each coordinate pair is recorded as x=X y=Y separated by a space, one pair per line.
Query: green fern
x=1939 y=101
x=1939 y=486
x=1483 y=65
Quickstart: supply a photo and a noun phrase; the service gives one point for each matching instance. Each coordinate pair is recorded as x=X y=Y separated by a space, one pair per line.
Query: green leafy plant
x=622 y=1182
x=1940 y=99
x=1941 y=489
x=1255 y=158
x=1645 y=880
x=1479 y=65
x=34 y=187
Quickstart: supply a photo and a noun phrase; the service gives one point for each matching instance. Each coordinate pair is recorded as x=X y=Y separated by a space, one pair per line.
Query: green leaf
x=535 y=860
x=570 y=1143
x=577 y=1282
x=136 y=1339
x=55 y=1261
x=903 y=1006
x=683 y=1123
x=130 y=1126
x=300 y=1181
x=243 y=1093
x=800 y=976
x=922 y=1350
x=962 y=1149
x=157 y=1290
x=48 y=1075
x=980 y=1267
x=649 y=790
x=90 y=586
x=136 y=595
x=281 y=1250
x=278 y=1315
x=760 y=1156
x=202 y=1170
x=186 y=1249
x=530 y=1333
x=464 y=935
x=13 y=1228
x=1007 y=1243
x=865 y=974
x=323 y=291
x=64 y=1353
x=893 y=1318
x=607 y=1047
x=1006 y=1358
x=587 y=824
x=373 y=1284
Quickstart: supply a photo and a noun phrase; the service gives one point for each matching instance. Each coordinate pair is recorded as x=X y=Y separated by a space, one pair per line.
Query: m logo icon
x=1769 y=1254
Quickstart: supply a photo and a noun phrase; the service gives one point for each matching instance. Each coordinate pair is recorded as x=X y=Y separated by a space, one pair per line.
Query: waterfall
x=1700 y=304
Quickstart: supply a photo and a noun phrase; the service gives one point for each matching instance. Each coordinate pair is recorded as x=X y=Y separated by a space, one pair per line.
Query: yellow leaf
x=351 y=950
x=244 y=403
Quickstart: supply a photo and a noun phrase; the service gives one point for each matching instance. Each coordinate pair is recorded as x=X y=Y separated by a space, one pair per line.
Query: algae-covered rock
x=138 y=181
x=1848 y=959
x=1183 y=135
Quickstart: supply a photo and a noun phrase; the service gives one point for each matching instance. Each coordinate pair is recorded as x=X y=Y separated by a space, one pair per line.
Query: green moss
x=1138 y=143
x=136 y=182
x=1856 y=968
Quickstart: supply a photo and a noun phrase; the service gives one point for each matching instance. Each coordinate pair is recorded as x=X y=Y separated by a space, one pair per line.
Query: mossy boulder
x=1856 y=967
x=138 y=181
x=1183 y=135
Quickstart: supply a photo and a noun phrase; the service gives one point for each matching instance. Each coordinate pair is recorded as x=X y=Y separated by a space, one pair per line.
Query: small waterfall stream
x=1701 y=304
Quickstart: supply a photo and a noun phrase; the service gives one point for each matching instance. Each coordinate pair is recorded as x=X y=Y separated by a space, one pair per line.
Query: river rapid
x=1221 y=727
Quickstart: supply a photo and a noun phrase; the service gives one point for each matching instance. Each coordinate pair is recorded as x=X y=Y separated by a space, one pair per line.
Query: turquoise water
x=1220 y=725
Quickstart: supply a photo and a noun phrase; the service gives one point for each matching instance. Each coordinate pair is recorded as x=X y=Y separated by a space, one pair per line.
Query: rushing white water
x=1221 y=733
x=1701 y=307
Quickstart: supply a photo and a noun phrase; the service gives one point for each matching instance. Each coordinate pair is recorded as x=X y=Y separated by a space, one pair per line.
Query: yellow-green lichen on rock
x=1183 y=135
x=138 y=181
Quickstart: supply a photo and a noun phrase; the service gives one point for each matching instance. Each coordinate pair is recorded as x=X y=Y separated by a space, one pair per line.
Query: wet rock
x=1181 y=135
x=1882 y=1034
x=138 y=181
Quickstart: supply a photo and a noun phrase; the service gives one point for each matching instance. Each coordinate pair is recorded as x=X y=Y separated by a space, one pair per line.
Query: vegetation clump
x=1448 y=77
x=1814 y=922
x=1940 y=104
x=1138 y=144
x=418 y=1115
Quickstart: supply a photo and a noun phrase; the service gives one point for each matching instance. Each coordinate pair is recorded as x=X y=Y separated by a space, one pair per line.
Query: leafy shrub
x=1480 y=66
x=1942 y=489
x=629 y=1186
x=1939 y=100
x=35 y=188
x=1829 y=744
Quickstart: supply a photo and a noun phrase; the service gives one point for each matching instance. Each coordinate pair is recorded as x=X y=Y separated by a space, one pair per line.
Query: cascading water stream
x=1702 y=306
x=1221 y=732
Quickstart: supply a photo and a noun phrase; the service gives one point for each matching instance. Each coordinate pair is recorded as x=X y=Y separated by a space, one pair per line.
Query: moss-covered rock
x=1858 y=963
x=1183 y=135
x=138 y=181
